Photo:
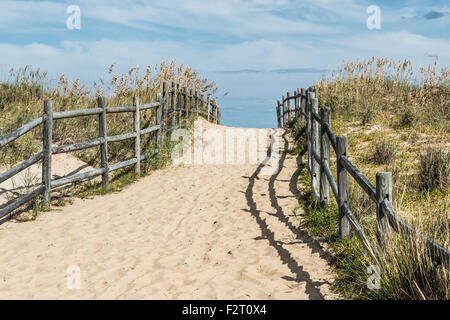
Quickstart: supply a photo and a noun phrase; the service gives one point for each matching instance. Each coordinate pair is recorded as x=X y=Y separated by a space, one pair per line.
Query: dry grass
x=381 y=104
x=22 y=96
x=434 y=169
x=389 y=87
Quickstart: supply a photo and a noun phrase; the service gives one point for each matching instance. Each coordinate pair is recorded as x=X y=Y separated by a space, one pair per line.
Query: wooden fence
x=319 y=138
x=172 y=107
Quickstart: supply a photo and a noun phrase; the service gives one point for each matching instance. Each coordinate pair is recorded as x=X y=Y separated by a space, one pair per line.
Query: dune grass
x=22 y=97
x=399 y=122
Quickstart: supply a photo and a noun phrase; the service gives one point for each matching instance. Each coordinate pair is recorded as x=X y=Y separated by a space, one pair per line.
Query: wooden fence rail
x=175 y=104
x=318 y=154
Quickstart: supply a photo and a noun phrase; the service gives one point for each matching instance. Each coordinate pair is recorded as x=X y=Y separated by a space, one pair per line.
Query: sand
x=22 y=183
x=185 y=232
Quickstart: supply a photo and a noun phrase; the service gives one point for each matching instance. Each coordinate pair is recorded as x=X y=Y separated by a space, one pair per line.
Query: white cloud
x=228 y=17
x=260 y=38
x=90 y=59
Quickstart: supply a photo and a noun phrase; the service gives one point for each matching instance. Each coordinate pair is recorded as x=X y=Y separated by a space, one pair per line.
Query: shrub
x=407 y=118
x=384 y=152
x=407 y=272
x=368 y=115
x=434 y=169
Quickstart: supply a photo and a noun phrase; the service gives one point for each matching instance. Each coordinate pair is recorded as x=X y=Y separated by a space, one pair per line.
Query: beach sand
x=185 y=232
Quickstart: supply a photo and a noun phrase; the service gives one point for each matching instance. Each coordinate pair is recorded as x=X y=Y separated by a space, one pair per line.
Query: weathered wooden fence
x=319 y=138
x=172 y=107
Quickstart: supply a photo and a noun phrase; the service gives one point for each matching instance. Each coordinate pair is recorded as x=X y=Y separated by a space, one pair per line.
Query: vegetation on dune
x=399 y=122
x=382 y=86
x=22 y=97
x=406 y=269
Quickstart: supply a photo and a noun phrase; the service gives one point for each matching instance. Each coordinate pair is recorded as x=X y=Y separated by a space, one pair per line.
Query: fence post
x=185 y=103
x=297 y=104
x=196 y=101
x=47 y=148
x=158 y=122
x=310 y=96
x=303 y=106
x=137 y=140
x=342 y=180
x=207 y=107
x=191 y=93
x=278 y=114
x=173 y=104
x=165 y=98
x=104 y=146
x=383 y=191
x=315 y=144
x=325 y=115
x=216 y=111
x=288 y=95
x=283 y=109
x=179 y=105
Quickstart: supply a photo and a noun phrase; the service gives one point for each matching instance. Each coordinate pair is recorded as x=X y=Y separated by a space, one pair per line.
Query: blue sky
x=255 y=49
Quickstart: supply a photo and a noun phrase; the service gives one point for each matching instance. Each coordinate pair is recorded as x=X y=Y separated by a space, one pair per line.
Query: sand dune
x=195 y=232
x=22 y=183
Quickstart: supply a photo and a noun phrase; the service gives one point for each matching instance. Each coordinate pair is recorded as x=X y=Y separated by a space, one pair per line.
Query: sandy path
x=198 y=232
x=62 y=164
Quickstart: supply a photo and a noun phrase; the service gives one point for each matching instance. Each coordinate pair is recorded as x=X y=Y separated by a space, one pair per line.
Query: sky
x=255 y=50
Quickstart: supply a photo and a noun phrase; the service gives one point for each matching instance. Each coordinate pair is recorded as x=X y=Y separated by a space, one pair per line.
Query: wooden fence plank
x=179 y=104
x=278 y=114
x=325 y=158
x=137 y=139
x=308 y=128
x=363 y=182
x=185 y=103
x=150 y=129
x=359 y=231
x=383 y=191
x=165 y=99
x=77 y=146
x=21 y=166
x=191 y=97
x=330 y=134
x=77 y=177
x=21 y=131
x=19 y=202
x=76 y=113
x=303 y=105
x=159 y=133
x=207 y=108
x=149 y=105
x=343 y=188
x=315 y=145
x=123 y=164
x=47 y=149
x=288 y=108
x=104 y=146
